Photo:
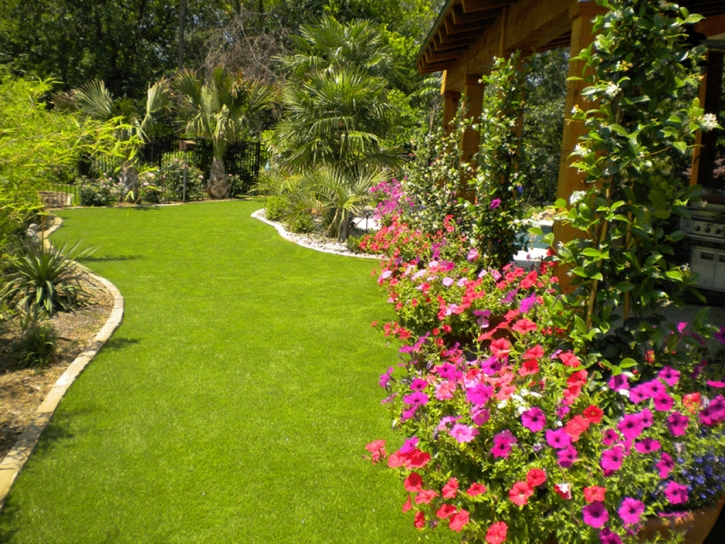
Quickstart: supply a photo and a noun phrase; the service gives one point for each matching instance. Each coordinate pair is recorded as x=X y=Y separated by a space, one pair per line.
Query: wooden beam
x=711 y=26
x=478 y=26
x=461 y=17
x=470 y=6
x=439 y=57
x=438 y=45
x=446 y=38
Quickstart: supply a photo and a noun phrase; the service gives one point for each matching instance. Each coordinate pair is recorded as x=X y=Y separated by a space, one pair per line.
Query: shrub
x=42 y=281
x=303 y=223
x=170 y=177
x=276 y=207
x=99 y=192
x=36 y=347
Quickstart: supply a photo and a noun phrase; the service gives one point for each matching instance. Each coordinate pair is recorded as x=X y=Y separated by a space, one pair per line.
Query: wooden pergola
x=469 y=34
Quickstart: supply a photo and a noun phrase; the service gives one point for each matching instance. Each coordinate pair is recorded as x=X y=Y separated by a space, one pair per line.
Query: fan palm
x=336 y=117
x=222 y=110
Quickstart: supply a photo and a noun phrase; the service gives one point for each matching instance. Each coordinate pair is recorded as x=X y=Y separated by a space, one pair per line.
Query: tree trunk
x=219 y=185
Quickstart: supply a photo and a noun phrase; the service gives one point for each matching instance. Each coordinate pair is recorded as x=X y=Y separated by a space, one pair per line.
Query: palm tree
x=336 y=117
x=221 y=109
x=343 y=193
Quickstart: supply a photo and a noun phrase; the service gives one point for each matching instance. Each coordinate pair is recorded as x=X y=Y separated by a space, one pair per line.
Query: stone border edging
x=26 y=442
x=302 y=241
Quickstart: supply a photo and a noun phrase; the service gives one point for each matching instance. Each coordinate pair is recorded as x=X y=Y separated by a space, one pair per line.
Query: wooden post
x=570 y=180
x=471 y=138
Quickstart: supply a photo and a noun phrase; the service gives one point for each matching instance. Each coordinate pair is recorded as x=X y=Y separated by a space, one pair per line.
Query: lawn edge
x=15 y=459
x=301 y=241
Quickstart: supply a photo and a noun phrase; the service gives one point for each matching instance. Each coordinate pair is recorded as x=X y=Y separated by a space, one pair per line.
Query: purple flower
x=647 y=445
x=567 y=456
x=612 y=458
x=606 y=536
x=528 y=303
x=646 y=418
x=595 y=514
x=482 y=317
x=416 y=399
x=654 y=388
x=509 y=298
x=479 y=394
x=610 y=437
x=631 y=511
x=495 y=203
x=663 y=402
x=448 y=281
x=676 y=493
x=533 y=419
x=480 y=417
x=385 y=378
x=502 y=443
x=669 y=375
x=491 y=366
x=472 y=255
x=463 y=433
x=677 y=423
x=557 y=439
x=409 y=445
x=631 y=426
x=447 y=371
x=665 y=465
x=418 y=385
x=618 y=382
x=639 y=393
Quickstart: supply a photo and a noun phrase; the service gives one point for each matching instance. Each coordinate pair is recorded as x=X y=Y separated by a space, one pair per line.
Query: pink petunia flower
x=479 y=394
x=535 y=477
x=665 y=465
x=631 y=511
x=595 y=514
x=676 y=493
x=611 y=459
x=463 y=433
x=647 y=445
x=496 y=534
x=450 y=489
x=663 y=402
x=446 y=511
x=425 y=496
x=459 y=521
x=606 y=536
x=631 y=426
x=618 y=382
x=476 y=489
x=594 y=494
x=610 y=437
x=567 y=456
x=677 y=423
x=669 y=375
x=557 y=439
x=534 y=419
x=520 y=493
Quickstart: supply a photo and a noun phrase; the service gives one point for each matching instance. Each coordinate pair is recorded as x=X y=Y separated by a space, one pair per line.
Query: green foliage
x=336 y=108
x=40 y=280
x=103 y=191
x=628 y=218
x=439 y=178
x=170 y=176
x=36 y=347
x=276 y=207
x=543 y=124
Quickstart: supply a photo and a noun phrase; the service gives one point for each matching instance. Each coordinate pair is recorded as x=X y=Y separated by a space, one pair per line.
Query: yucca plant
x=40 y=281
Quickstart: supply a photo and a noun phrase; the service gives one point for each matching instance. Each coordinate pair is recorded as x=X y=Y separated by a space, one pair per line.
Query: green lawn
x=232 y=405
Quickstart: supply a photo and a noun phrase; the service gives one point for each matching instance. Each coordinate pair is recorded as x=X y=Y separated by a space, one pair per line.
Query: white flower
x=576 y=197
x=612 y=89
x=580 y=150
x=709 y=121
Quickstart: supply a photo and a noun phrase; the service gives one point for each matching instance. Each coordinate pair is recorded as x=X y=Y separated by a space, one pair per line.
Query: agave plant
x=40 y=280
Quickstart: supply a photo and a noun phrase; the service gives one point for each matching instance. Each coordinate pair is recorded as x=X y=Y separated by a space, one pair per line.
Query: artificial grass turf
x=233 y=403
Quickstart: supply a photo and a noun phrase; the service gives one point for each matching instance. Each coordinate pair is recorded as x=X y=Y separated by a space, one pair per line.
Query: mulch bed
x=23 y=389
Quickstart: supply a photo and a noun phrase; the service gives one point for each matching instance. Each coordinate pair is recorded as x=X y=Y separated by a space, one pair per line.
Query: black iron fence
x=99 y=175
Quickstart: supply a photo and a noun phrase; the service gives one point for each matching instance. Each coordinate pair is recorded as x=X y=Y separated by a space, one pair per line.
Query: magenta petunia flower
x=631 y=426
x=618 y=382
x=606 y=536
x=665 y=465
x=631 y=511
x=491 y=366
x=416 y=399
x=612 y=458
x=639 y=393
x=479 y=394
x=676 y=493
x=646 y=417
x=663 y=402
x=528 y=304
x=448 y=371
x=480 y=417
x=385 y=378
x=557 y=439
x=669 y=375
x=495 y=203
x=647 y=445
x=534 y=419
x=418 y=385
x=595 y=514
x=654 y=388
x=610 y=437
x=677 y=423
x=463 y=433
x=567 y=456
x=409 y=445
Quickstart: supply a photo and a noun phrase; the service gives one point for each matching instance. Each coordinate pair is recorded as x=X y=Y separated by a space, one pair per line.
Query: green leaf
x=627 y=363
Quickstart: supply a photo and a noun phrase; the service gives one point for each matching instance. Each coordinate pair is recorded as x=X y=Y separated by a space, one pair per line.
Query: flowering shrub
x=391 y=201
x=170 y=176
x=99 y=192
x=512 y=435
